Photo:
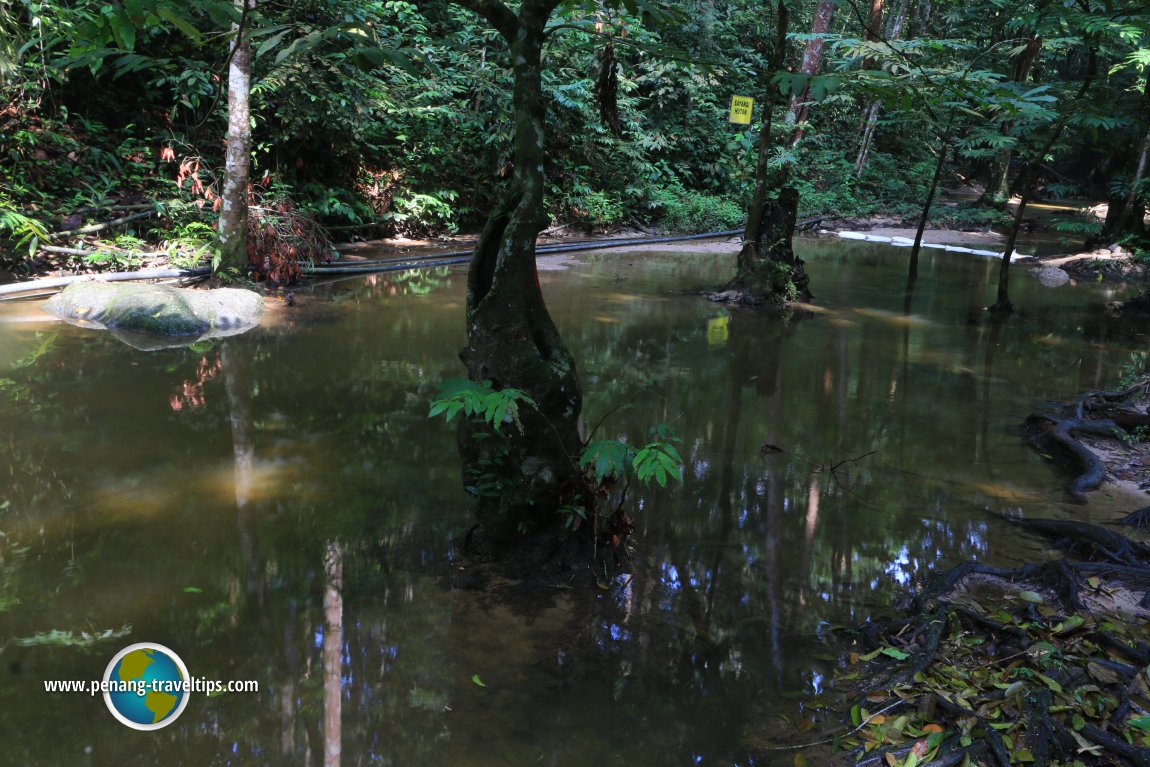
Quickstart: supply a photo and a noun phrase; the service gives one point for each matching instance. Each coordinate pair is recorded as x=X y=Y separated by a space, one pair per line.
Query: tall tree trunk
x=924 y=18
x=873 y=31
x=870 y=122
x=511 y=339
x=811 y=64
x=233 y=226
x=767 y=268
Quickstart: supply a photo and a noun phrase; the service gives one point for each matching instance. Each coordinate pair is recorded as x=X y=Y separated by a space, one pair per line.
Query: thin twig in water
x=865 y=722
x=852 y=460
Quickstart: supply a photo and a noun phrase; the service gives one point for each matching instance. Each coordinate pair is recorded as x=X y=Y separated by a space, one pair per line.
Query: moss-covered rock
x=161 y=312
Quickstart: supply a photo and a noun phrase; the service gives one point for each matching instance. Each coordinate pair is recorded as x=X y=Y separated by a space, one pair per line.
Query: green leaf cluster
x=658 y=459
x=494 y=406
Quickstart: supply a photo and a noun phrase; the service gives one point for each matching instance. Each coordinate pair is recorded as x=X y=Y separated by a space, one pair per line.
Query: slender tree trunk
x=511 y=339
x=1002 y=305
x=894 y=28
x=873 y=31
x=924 y=17
x=922 y=219
x=870 y=122
x=233 y=226
x=811 y=64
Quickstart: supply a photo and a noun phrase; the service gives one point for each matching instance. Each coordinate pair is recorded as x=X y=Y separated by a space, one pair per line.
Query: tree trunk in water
x=811 y=64
x=1002 y=305
x=912 y=274
x=511 y=339
x=767 y=267
x=233 y=226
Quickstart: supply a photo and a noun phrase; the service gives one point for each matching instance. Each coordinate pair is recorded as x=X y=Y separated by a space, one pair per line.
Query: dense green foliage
x=399 y=112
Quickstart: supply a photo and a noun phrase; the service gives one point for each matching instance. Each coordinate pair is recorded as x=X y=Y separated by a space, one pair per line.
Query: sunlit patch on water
x=626 y=298
x=1049 y=339
x=1007 y=492
x=137 y=496
x=894 y=318
x=261 y=480
x=813 y=308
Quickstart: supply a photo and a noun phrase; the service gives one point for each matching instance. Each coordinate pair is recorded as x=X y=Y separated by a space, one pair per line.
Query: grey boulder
x=149 y=316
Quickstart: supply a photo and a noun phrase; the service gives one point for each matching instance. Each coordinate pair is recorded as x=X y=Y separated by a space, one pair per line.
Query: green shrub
x=968 y=217
x=22 y=231
x=826 y=184
x=592 y=208
x=685 y=210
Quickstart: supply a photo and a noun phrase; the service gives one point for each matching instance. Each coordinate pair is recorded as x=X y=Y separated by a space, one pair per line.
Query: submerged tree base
x=771 y=305
x=769 y=273
x=539 y=560
x=769 y=282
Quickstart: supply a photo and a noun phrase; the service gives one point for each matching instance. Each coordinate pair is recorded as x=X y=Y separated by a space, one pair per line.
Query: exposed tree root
x=1044 y=664
x=1047 y=432
x=1089 y=542
x=1096 y=413
x=1139 y=519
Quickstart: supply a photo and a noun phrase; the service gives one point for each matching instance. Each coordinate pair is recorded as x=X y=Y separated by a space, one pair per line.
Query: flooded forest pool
x=279 y=508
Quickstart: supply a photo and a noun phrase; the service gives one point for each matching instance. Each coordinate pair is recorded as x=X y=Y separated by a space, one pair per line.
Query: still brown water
x=279 y=508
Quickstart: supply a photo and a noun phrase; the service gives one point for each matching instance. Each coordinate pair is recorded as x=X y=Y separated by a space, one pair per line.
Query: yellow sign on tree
x=741 y=107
